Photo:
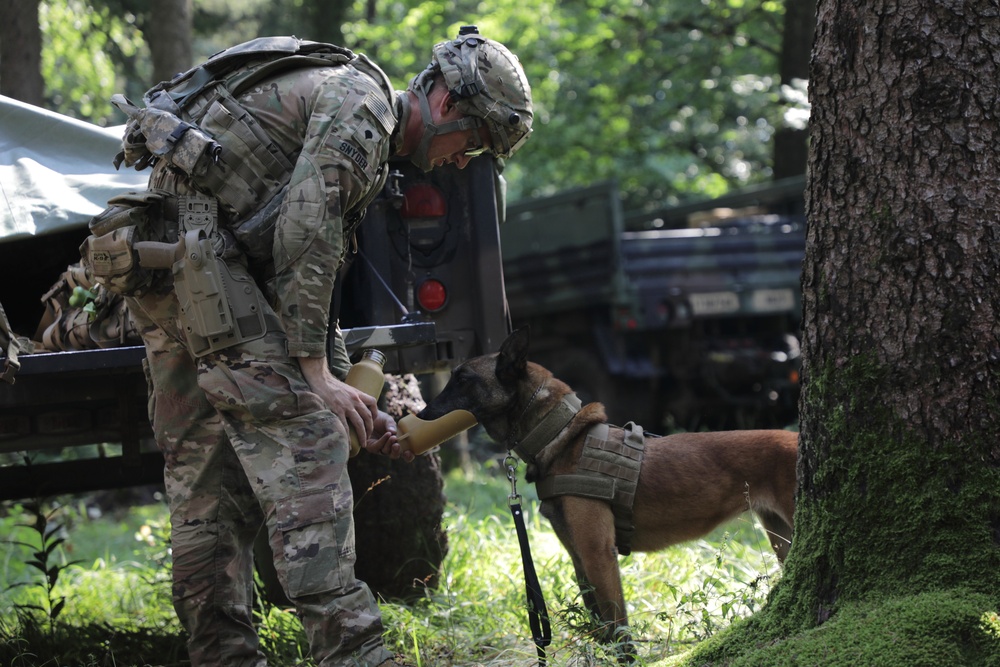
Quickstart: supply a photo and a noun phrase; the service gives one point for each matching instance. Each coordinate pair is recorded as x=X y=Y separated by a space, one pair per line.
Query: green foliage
x=28 y=643
x=41 y=539
x=478 y=616
x=84 y=49
x=118 y=609
x=672 y=99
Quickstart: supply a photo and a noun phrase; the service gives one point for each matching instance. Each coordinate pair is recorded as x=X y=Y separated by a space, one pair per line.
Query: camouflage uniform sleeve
x=344 y=146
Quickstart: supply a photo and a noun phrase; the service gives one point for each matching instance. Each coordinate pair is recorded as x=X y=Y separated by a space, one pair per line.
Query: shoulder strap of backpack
x=250 y=62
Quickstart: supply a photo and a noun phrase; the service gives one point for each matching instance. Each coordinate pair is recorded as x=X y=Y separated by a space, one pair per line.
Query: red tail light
x=432 y=295
x=423 y=200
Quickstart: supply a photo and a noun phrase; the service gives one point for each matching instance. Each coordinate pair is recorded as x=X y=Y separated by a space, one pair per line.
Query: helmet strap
x=419 y=156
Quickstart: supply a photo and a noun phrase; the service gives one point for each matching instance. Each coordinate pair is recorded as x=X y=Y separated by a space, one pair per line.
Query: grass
x=118 y=611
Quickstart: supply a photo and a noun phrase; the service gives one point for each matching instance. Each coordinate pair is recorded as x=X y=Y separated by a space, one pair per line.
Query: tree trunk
x=325 y=19
x=169 y=38
x=896 y=553
x=21 y=52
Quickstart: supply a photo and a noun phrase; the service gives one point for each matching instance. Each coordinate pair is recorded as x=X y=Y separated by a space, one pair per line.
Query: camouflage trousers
x=247 y=444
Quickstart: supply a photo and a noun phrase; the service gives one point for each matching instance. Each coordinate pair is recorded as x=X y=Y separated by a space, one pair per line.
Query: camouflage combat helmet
x=487 y=84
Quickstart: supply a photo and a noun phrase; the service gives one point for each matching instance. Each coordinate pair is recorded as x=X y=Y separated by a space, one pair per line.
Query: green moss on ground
x=950 y=628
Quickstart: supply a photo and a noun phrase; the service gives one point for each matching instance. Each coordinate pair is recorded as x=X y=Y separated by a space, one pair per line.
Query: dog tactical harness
x=608 y=468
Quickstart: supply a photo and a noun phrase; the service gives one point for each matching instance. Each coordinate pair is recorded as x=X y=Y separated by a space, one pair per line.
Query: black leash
x=538 y=615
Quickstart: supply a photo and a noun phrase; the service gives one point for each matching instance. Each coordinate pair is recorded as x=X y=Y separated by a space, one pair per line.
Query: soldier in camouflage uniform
x=256 y=434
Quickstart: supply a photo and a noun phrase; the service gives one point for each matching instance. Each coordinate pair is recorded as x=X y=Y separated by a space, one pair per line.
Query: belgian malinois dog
x=688 y=483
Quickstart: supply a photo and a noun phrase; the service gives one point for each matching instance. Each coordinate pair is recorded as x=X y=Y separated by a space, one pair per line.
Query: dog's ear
x=512 y=362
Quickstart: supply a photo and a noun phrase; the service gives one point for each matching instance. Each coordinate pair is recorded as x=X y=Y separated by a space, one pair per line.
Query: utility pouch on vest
x=157 y=132
x=109 y=252
x=178 y=142
x=217 y=309
x=255 y=234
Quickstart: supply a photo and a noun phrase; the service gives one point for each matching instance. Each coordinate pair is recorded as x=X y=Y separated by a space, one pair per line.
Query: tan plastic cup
x=417 y=435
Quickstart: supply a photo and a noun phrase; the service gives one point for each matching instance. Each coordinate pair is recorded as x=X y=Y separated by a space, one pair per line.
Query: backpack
x=81 y=315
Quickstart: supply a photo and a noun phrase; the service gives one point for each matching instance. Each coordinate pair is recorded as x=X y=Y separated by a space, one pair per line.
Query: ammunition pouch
x=109 y=253
x=181 y=144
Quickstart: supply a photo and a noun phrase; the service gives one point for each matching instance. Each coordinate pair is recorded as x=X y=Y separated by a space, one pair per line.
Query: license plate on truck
x=772 y=300
x=715 y=303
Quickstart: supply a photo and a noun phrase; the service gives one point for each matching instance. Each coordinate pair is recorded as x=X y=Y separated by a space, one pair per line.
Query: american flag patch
x=380 y=111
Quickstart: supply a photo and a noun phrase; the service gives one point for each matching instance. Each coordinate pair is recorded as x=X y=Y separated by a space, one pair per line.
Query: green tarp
x=55 y=172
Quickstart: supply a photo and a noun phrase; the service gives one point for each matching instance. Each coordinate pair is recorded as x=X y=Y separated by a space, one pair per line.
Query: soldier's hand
x=384 y=441
x=355 y=409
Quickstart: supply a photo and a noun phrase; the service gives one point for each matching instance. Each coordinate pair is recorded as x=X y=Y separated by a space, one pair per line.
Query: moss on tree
x=946 y=628
x=896 y=554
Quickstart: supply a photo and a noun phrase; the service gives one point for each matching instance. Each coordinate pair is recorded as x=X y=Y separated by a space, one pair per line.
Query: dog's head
x=496 y=388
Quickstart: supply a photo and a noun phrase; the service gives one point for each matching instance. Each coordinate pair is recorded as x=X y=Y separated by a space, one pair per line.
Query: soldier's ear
x=512 y=362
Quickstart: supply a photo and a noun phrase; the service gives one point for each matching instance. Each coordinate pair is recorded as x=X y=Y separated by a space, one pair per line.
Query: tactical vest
x=608 y=468
x=195 y=123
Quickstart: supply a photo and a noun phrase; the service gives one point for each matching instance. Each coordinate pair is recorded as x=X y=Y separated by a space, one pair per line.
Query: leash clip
x=510 y=464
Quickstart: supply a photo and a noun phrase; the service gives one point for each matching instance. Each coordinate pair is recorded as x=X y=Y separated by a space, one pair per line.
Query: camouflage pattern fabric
x=246 y=442
x=10 y=345
x=81 y=315
x=336 y=121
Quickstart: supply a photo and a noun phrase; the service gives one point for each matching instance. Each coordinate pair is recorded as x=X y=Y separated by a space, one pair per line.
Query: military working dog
x=649 y=492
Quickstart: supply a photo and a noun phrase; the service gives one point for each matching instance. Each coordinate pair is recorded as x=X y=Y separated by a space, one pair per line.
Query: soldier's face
x=458 y=148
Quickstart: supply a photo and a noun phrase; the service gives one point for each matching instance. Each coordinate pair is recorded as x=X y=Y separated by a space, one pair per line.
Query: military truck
x=684 y=317
x=425 y=287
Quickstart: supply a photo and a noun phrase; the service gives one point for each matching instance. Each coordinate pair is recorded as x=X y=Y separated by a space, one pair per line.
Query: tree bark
x=169 y=38
x=898 y=508
x=21 y=52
